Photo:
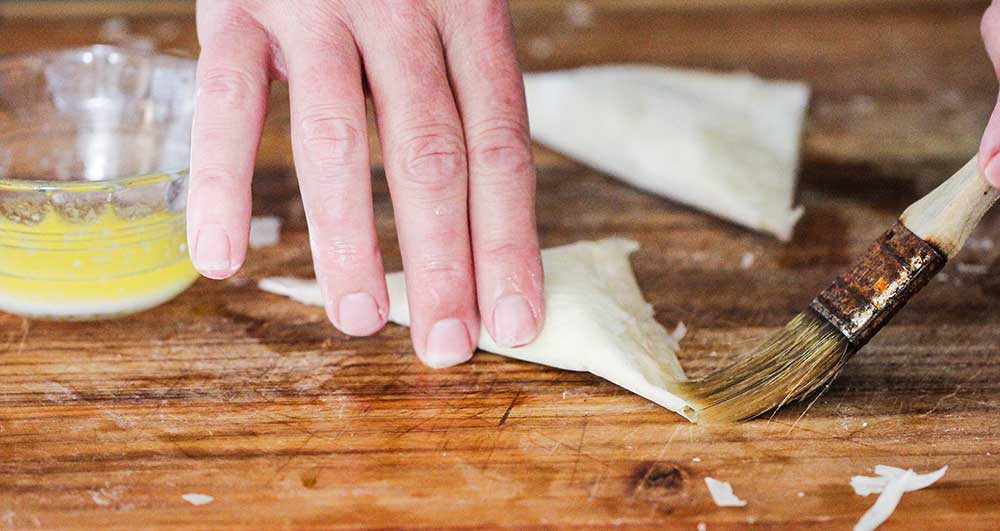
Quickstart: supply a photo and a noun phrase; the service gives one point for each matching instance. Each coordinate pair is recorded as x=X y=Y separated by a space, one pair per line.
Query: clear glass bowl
x=94 y=150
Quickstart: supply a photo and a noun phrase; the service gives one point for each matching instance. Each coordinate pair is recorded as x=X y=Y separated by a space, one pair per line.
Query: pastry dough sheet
x=596 y=320
x=727 y=144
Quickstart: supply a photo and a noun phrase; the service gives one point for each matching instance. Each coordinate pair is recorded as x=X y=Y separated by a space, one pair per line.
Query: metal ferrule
x=861 y=301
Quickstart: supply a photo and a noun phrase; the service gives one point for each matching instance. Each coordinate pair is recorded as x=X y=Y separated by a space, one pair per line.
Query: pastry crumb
x=197 y=499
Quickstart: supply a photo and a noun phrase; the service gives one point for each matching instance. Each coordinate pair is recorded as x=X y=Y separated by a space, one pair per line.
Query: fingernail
x=212 y=251
x=513 y=321
x=448 y=344
x=993 y=171
x=358 y=315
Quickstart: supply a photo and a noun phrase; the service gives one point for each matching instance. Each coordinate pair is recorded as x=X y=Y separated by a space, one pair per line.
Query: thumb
x=989 y=147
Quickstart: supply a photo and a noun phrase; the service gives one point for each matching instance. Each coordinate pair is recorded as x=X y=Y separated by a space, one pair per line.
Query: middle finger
x=426 y=167
x=330 y=144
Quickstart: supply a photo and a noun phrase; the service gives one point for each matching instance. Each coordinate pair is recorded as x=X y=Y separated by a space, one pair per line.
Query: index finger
x=231 y=100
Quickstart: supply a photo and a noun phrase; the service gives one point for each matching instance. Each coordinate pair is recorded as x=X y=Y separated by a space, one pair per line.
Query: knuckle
x=330 y=139
x=339 y=254
x=234 y=11
x=492 y=16
x=433 y=160
x=224 y=15
x=317 y=20
x=231 y=87
x=501 y=147
x=215 y=176
x=508 y=250
x=443 y=271
x=512 y=191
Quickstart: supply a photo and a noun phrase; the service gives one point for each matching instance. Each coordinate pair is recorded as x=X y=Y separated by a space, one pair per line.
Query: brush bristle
x=799 y=359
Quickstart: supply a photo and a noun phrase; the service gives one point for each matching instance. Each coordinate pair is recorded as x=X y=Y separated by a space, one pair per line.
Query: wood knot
x=661 y=477
x=658 y=481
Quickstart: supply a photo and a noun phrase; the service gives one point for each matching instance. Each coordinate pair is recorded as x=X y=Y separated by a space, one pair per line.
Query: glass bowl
x=94 y=150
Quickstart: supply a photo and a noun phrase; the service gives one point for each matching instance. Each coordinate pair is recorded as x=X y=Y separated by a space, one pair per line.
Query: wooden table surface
x=259 y=403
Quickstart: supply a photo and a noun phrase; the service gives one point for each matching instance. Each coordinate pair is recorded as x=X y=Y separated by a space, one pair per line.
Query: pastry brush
x=812 y=348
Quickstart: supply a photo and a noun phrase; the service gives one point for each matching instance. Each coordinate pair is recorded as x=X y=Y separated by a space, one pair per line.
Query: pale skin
x=449 y=107
x=989 y=148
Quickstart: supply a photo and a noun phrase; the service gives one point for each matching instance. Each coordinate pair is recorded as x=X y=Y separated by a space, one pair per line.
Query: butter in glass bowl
x=94 y=151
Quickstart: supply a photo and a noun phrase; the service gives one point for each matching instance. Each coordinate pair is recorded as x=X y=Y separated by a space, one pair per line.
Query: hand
x=989 y=147
x=450 y=110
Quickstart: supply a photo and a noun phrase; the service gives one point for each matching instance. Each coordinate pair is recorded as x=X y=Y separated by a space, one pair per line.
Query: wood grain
x=259 y=403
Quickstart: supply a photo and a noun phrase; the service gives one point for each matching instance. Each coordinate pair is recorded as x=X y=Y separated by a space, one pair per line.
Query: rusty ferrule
x=862 y=300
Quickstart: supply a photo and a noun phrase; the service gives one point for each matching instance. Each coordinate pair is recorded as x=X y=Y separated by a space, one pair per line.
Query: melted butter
x=100 y=266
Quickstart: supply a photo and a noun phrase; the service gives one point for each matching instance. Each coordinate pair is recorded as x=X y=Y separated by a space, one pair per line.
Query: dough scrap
x=197 y=499
x=865 y=485
x=727 y=144
x=722 y=493
x=890 y=483
x=596 y=320
x=886 y=503
x=265 y=231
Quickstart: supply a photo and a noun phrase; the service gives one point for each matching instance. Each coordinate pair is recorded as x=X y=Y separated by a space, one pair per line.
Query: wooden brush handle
x=946 y=216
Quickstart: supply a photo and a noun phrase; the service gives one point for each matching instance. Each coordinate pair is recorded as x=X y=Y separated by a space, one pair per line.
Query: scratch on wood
x=295 y=455
x=989 y=405
x=385 y=388
x=417 y=425
x=670 y=440
x=953 y=394
x=824 y=434
x=594 y=487
x=554 y=448
x=503 y=419
x=444 y=438
x=108 y=496
x=663 y=450
x=489 y=390
x=493 y=448
x=177 y=446
x=559 y=444
x=294 y=422
x=23 y=340
x=632 y=433
x=579 y=448
x=236 y=393
x=498 y=433
x=25 y=328
x=478 y=414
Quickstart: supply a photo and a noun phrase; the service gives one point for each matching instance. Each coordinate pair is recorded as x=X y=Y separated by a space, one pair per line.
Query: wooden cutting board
x=257 y=402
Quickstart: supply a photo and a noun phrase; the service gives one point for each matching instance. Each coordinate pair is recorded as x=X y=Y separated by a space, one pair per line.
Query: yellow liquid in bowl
x=103 y=266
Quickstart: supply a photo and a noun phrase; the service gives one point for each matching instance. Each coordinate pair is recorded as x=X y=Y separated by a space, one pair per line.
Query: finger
x=989 y=147
x=330 y=145
x=426 y=169
x=231 y=100
x=490 y=94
